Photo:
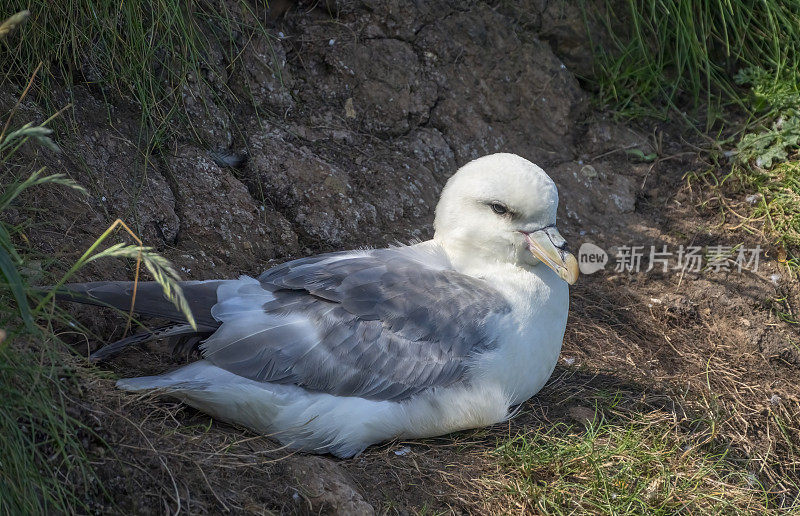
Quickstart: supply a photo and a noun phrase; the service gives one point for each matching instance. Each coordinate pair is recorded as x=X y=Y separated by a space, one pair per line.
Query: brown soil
x=359 y=118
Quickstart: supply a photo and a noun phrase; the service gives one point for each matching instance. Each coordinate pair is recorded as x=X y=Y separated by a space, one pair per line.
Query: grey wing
x=381 y=324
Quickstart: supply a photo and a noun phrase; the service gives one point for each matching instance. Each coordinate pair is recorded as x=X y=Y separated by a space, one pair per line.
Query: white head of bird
x=502 y=208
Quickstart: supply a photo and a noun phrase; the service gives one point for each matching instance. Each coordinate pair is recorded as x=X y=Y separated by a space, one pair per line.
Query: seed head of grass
x=11 y=23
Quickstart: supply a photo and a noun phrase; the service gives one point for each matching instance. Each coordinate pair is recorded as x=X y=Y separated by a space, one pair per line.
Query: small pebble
x=403 y=451
x=589 y=171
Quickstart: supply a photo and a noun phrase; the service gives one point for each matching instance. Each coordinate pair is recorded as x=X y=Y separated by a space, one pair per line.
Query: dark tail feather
x=150 y=300
x=186 y=337
x=185 y=344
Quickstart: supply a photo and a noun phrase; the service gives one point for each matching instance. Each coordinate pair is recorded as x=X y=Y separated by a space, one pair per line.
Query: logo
x=688 y=258
x=591 y=258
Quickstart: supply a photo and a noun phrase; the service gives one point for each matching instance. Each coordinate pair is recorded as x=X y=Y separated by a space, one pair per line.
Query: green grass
x=763 y=167
x=42 y=459
x=146 y=51
x=44 y=464
x=625 y=466
x=44 y=467
x=766 y=159
x=669 y=56
x=777 y=208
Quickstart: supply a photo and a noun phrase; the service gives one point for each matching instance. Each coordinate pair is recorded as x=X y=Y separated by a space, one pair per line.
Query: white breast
x=530 y=337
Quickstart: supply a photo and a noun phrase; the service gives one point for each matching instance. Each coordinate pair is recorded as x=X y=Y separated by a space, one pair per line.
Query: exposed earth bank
x=353 y=118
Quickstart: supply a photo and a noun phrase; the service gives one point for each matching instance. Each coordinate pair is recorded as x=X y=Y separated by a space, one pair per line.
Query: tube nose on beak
x=549 y=247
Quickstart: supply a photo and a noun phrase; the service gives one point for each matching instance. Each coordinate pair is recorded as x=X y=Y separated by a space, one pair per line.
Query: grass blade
x=17 y=287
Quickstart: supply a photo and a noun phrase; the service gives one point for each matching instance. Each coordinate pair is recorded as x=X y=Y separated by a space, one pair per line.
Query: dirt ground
x=355 y=120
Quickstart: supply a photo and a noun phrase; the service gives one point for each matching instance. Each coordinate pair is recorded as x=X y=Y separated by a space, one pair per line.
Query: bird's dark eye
x=499 y=208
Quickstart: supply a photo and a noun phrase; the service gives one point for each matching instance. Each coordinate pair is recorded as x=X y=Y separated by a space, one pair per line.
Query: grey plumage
x=383 y=325
x=181 y=334
x=229 y=158
x=150 y=299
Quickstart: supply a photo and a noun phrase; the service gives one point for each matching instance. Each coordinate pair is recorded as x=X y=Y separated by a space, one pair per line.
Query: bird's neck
x=467 y=258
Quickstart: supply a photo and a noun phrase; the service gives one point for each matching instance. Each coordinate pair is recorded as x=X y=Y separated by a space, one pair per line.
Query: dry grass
x=623 y=462
x=166 y=455
x=683 y=407
x=680 y=404
x=720 y=392
x=763 y=203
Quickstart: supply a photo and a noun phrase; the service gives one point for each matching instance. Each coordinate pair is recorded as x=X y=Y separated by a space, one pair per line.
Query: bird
x=336 y=352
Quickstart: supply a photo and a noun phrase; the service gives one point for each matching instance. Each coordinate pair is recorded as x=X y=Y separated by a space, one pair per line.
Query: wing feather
x=380 y=324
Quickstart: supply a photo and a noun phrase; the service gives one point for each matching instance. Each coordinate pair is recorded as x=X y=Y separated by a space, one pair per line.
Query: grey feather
x=150 y=299
x=163 y=332
x=381 y=325
x=384 y=324
x=228 y=158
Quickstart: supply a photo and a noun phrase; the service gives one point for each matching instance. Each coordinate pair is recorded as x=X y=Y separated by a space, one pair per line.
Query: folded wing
x=383 y=324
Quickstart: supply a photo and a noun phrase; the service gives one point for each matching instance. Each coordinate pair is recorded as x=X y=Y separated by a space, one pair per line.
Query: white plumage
x=337 y=352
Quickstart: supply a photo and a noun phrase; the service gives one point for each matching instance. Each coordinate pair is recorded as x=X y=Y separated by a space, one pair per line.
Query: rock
x=334 y=202
x=121 y=184
x=311 y=193
x=563 y=26
x=219 y=215
x=623 y=193
x=350 y=142
x=209 y=120
x=459 y=72
x=388 y=86
x=204 y=96
x=326 y=487
x=588 y=171
x=267 y=80
x=603 y=136
x=498 y=92
x=429 y=147
x=593 y=191
x=585 y=415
